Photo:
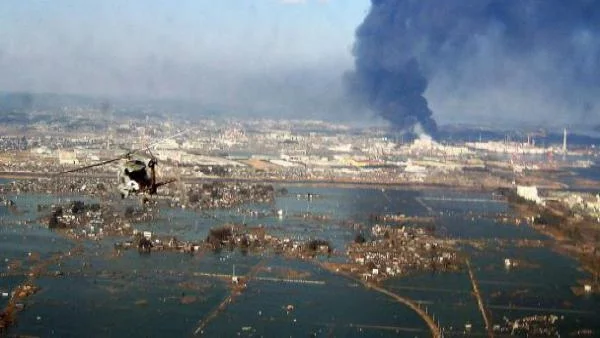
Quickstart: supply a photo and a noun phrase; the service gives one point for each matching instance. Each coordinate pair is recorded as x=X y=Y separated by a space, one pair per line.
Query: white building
x=67 y=157
x=167 y=144
x=529 y=193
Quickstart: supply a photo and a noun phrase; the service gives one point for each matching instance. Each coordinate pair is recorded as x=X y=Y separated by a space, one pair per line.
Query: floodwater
x=165 y=294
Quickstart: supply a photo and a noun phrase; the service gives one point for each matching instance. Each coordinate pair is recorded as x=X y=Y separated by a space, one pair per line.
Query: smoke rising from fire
x=525 y=60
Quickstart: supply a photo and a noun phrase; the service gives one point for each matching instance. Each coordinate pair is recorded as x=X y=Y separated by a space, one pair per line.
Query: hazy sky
x=272 y=55
x=485 y=61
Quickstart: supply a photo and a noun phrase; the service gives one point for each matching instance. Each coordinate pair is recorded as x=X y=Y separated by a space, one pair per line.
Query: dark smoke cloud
x=514 y=58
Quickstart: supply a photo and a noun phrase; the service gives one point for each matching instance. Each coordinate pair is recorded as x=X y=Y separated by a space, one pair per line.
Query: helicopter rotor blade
x=171 y=180
x=94 y=165
x=127 y=154
x=152 y=155
x=154 y=144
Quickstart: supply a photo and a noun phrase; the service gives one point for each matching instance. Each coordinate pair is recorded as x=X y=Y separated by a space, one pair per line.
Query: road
x=433 y=327
x=477 y=294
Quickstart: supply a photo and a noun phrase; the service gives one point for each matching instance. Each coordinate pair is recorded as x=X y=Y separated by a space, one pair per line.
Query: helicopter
x=135 y=176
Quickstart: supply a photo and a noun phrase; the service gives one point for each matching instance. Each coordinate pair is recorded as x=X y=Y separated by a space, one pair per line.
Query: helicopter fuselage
x=134 y=178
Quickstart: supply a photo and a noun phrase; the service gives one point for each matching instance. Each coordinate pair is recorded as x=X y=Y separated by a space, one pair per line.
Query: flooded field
x=90 y=289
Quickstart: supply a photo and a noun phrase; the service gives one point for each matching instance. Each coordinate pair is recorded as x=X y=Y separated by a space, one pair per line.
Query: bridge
x=477 y=295
x=461 y=199
x=424 y=205
x=422 y=199
x=235 y=290
x=434 y=328
x=541 y=309
x=267 y=279
x=289 y=280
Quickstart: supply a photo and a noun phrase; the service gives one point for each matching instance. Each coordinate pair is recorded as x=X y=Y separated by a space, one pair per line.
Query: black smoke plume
x=543 y=53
